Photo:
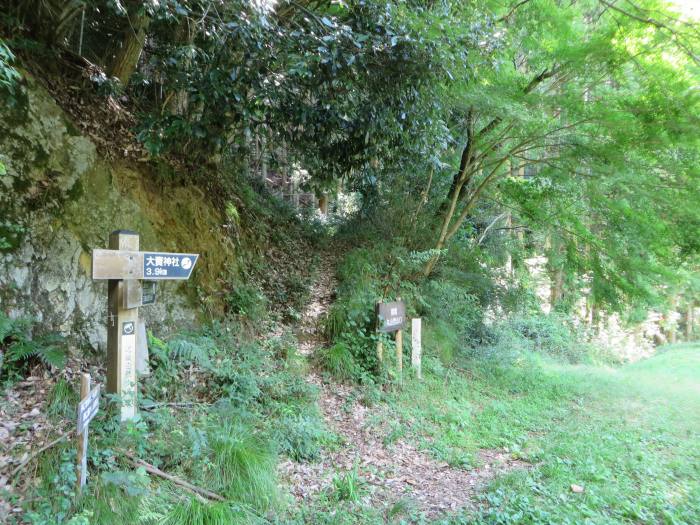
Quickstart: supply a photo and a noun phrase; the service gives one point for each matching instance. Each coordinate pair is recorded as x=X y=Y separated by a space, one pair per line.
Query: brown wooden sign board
x=391 y=317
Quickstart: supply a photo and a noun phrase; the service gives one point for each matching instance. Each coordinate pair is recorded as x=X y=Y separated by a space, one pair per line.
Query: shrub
x=552 y=335
x=300 y=437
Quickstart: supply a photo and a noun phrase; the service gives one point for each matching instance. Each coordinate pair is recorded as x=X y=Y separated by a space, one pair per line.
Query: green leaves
x=19 y=346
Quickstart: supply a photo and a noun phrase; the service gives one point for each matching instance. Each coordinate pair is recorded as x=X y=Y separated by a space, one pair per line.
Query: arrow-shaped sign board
x=123 y=264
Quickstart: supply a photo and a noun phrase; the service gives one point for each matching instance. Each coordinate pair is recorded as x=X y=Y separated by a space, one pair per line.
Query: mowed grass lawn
x=630 y=436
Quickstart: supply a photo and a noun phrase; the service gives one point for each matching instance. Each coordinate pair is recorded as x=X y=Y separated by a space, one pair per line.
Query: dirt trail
x=391 y=472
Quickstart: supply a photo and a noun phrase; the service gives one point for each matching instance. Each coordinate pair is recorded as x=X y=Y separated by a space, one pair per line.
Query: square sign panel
x=391 y=316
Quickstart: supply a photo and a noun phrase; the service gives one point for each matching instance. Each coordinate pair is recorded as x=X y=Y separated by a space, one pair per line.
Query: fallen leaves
x=392 y=472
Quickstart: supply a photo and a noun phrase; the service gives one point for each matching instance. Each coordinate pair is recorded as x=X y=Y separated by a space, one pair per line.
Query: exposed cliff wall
x=59 y=199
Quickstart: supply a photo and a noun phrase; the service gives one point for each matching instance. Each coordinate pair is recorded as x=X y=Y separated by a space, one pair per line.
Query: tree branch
x=655 y=23
x=513 y=9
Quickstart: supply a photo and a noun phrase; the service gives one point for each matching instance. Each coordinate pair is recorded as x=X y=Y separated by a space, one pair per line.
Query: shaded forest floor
x=529 y=440
x=520 y=438
x=388 y=473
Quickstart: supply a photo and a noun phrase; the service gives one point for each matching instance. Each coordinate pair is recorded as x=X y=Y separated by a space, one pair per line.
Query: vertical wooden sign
x=83 y=436
x=87 y=409
x=121 y=333
x=416 y=346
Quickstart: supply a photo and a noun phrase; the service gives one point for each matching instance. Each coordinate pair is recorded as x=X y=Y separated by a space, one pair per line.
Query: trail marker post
x=416 y=346
x=391 y=317
x=87 y=409
x=126 y=268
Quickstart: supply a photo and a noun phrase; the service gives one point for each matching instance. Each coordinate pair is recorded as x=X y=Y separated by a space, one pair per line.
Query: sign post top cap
x=124 y=232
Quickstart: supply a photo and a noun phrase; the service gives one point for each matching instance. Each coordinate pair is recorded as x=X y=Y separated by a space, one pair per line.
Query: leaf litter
x=391 y=470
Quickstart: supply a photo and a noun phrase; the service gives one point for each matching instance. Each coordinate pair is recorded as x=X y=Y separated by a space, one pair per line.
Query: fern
x=19 y=347
x=186 y=351
x=45 y=348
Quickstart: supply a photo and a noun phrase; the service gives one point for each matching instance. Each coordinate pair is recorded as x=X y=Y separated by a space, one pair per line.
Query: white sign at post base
x=416 y=346
x=128 y=368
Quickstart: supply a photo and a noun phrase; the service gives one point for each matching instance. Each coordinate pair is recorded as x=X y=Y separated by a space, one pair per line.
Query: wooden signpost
x=125 y=267
x=87 y=409
x=391 y=317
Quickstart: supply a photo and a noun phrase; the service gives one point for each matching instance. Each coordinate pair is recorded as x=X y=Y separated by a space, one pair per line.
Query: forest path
x=389 y=470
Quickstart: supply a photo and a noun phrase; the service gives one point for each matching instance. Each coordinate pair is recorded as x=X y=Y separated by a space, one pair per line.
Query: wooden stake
x=399 y=355
x=416 y=346
x=82 y=439
x=380 y=351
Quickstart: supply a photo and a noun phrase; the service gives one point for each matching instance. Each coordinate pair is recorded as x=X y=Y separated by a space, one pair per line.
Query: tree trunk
x=127 y=57
x=689 y=321
x=178 y=100
x=323 y=203
x=64 y=21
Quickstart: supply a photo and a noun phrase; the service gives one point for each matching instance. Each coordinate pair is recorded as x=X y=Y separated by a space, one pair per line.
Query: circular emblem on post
x=128 y=328
x=186 y=263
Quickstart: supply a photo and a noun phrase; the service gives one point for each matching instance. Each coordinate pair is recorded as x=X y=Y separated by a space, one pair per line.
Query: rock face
x=59 y=200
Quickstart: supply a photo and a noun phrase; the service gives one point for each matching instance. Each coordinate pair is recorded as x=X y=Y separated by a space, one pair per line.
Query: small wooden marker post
x=391 y=318
x=124 y=266
x=416 y=346
x=399 y=354
x=87 y=409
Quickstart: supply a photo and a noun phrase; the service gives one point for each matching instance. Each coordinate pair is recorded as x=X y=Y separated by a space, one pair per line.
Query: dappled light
x=368 y=262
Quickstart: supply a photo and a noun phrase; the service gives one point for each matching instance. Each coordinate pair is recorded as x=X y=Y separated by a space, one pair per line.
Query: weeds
x=348 y=486
x=195 y=512
x=242 y=467
x=62 y=400
x=339 y=361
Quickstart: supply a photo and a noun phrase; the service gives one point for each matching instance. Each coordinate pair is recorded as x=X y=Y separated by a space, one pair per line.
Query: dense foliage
x=571 y=122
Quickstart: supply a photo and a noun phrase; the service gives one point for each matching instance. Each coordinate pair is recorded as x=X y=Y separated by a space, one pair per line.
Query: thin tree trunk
x=127 y=57
x=689 y=321
x=178 y=100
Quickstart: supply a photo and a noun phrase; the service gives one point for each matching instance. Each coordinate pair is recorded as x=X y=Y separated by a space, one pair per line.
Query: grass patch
x=243 y=468
x=339 y=362
x=627 y=435
x=195 y=512
x=62 y=400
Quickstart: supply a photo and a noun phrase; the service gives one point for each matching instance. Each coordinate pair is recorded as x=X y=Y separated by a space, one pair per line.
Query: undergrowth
x=217 y=410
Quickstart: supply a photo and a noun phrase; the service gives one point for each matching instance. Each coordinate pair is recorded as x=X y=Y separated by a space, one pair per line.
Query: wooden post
x=380 y=351
x=399 y=355
x=689 y=321
x=263 y=157
x=122 y=326
x=82 y=439
x=323 y=203
x=416 y=347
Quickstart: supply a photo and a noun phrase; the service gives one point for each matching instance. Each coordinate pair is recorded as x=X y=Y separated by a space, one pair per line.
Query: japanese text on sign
x=87 y=408
x=392 y=316
x=168 y=265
